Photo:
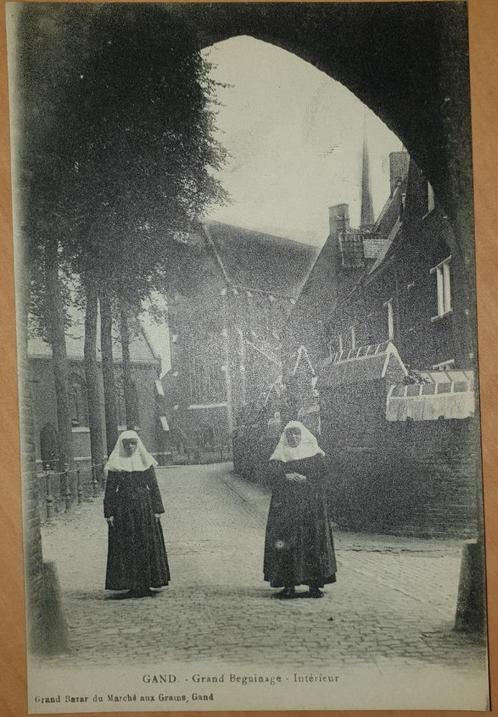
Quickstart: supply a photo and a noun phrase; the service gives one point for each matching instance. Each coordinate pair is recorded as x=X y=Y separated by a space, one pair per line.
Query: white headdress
x=307 y=448
x=119 y=460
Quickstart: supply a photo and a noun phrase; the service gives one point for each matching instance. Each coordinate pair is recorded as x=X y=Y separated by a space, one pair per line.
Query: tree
x=111 y=414
x=141 y=158
x=129 y=393
x=92 y=376
x=130 y=151
x=36 y=161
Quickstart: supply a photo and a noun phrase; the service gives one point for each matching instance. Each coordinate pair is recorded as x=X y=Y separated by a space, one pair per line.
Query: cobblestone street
x=394 y=600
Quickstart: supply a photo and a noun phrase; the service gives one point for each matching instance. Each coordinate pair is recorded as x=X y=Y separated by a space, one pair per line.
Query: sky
x=294 y=137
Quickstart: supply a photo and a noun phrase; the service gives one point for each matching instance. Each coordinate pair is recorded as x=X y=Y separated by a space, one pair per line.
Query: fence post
x=79 y=489
x=68 y=496
x=48 y=495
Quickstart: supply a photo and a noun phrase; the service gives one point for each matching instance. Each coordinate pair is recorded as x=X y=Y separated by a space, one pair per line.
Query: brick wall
x=409 y=478
x=39 y=638
x=43 y=405
x=435 y=469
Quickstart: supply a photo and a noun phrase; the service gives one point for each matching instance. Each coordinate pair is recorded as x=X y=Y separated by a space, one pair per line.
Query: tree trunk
x=111 y=414
x=129 y=393
x=92 y=378
x=57 y=338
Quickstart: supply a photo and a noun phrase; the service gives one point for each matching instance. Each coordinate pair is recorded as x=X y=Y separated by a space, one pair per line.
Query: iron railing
x=59 y=491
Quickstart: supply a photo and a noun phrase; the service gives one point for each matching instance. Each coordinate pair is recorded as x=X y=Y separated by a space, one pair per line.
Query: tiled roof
x=351 y=247
x=364 y=363
x=141 y=349
x=374 y=246
x=448 y=376
x=386 y=246
x=391 y=211
x=258 y=261
x=356 y=247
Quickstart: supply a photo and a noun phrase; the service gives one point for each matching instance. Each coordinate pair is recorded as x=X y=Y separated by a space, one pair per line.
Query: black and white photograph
x=247 y=356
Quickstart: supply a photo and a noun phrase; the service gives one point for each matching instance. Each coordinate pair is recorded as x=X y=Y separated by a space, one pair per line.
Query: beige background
x=483 y=17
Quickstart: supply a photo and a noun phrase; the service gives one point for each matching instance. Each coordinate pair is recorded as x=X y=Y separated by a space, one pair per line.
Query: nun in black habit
x=136 y=558
x=299 y=547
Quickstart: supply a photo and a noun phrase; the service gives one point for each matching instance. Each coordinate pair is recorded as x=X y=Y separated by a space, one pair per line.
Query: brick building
x=384 y=318
x=145 y=368
x=225 y=324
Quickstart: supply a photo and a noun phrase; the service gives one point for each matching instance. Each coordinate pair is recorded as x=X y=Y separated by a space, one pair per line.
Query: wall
x=38 y=629
x=422 y=341
x=217 y=325
x=410 y=478
x=327 y=309
x=44 y=405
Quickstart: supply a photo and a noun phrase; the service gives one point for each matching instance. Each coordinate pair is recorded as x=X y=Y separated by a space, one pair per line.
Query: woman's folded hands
x=295 y=477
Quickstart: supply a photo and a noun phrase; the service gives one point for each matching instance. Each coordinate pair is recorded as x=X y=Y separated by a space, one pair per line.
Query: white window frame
x=444 y=365
x=390 y=319
x=443 y=288
x=431 y=202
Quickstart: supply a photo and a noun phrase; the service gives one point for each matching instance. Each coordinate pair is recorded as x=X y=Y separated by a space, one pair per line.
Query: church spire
x=367 y=215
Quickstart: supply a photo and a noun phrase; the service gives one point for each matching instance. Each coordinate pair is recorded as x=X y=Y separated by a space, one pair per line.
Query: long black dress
x=136 y=557
x=299 y=547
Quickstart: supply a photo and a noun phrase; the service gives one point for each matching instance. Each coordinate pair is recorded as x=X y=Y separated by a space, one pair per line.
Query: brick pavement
x=394 y=599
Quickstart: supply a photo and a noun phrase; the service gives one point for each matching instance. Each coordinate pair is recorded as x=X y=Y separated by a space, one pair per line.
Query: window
x=443 y=287
x=78 y=400
x=339 y=342
x=353 y=337
x=430 y=198
x=49 y=447
x=390 y=319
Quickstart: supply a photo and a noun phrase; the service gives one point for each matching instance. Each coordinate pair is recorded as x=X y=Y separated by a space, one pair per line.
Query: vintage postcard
x=248 y=377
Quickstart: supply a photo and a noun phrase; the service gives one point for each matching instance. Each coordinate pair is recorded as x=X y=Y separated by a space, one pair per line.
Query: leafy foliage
x=118 y=153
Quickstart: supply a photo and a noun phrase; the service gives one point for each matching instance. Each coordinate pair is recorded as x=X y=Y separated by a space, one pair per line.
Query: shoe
x=315 y=593
x=287 y=593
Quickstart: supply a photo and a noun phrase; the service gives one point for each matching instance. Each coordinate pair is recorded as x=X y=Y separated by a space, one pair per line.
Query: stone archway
x=407 y=62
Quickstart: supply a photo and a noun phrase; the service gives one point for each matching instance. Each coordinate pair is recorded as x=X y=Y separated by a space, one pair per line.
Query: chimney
x=339 y=219
x=398 y=168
